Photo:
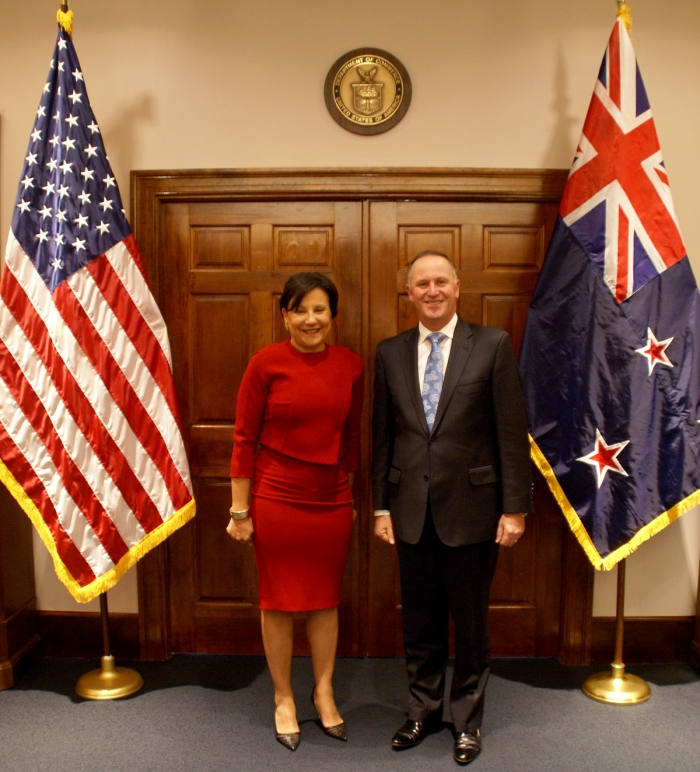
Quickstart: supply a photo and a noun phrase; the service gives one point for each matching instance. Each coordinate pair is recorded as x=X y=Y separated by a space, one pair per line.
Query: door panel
x=233 y=260
x=498 y=250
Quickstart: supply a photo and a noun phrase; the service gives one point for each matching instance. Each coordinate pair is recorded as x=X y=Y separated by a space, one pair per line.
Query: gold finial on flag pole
x=65 y=17
x=624 y=13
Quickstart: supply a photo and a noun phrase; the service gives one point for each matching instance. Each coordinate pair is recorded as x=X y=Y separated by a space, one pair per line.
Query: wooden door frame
x=150 y=190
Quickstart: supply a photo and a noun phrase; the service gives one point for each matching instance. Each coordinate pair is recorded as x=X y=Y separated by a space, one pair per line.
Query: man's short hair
x=431 y=253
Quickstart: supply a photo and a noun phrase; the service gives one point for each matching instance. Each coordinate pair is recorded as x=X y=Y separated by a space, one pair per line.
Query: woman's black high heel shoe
x=290 y=740
x=337 y=732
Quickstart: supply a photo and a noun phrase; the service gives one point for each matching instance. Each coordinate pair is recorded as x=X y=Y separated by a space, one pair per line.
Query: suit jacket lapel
x=410 y=370
x=462 y=345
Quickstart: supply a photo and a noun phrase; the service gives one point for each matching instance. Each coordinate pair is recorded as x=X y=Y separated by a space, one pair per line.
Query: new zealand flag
x=611 y=354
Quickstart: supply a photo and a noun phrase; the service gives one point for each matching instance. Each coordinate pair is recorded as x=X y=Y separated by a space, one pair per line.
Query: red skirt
x=302 y=516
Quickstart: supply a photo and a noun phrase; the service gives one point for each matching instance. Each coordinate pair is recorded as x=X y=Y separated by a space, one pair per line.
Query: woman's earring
x=286 y=325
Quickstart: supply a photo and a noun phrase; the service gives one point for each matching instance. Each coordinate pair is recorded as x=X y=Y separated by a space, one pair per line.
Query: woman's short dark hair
x=300 y=284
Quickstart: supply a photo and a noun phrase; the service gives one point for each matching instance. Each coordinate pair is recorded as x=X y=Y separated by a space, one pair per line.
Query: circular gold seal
x=367 y=91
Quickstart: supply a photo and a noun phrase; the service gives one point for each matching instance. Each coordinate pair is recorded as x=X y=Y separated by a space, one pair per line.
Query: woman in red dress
x=296 y=448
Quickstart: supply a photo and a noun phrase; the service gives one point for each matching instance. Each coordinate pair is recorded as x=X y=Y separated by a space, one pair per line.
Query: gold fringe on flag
x=108 y=580
x=65 y=19
x=624 y=13
x=609 y=561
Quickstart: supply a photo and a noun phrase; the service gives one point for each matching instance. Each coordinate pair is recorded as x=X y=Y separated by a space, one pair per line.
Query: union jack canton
x=618 y=201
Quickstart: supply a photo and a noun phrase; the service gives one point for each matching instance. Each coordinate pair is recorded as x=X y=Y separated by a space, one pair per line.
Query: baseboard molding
x=74 y=634
x=7 y=678
x=695 y=654
x=646 y=639
x=13 y=669
x=20 y=644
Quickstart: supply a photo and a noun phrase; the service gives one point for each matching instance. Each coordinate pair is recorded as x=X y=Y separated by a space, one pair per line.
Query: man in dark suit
x=451 y=482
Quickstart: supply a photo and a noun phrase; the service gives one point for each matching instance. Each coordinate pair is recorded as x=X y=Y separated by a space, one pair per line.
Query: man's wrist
x=381 y=512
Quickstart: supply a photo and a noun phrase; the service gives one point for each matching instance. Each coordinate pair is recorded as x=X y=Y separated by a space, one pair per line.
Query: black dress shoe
x=467 y=746
x=413 y=732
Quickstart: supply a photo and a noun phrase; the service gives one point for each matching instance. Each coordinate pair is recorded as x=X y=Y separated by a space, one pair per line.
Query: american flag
x=611 y=353
x=89 y=425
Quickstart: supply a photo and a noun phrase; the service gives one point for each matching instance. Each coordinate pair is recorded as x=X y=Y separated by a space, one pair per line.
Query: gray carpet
x=214 y=713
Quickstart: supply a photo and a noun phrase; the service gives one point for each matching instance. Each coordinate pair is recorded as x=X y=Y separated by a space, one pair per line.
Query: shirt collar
x=448 y=330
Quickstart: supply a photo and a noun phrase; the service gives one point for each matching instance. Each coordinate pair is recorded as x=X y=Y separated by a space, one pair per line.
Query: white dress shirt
x=424 y=348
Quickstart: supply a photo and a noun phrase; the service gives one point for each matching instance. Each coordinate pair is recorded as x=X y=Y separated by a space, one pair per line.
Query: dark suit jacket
x=476 y=463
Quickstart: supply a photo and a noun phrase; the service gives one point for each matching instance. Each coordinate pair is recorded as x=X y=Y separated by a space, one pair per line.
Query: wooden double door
x=218 y=264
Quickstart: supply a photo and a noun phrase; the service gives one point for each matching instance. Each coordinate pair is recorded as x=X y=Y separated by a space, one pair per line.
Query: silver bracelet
x=239 y=514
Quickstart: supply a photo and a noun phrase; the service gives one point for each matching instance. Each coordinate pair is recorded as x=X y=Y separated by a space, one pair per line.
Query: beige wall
x=207 y=83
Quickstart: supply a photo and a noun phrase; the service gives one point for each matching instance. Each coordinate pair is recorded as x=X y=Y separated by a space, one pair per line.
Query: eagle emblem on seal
x=367 y=95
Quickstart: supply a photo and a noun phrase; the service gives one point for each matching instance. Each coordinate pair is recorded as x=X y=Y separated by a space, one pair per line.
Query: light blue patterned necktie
x=432 y=381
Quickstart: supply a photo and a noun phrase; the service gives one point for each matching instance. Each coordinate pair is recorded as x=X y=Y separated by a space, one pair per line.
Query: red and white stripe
x=89 y=425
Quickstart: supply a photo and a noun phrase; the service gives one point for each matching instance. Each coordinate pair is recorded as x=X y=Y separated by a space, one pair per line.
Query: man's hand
x=384 y=529
x=510 y=528
x=241 y=530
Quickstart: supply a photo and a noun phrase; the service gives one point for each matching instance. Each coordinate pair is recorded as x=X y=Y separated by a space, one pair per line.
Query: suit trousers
x=436 y=581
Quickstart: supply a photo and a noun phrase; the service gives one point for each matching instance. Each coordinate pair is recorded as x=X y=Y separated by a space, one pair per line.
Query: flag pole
x=617 y=687
x=109 y=682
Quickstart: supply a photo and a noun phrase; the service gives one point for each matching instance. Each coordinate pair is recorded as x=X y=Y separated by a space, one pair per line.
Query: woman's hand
x=241 y=530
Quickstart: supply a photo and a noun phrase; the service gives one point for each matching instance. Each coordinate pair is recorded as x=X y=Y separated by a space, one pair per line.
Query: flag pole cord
x=109 y=682
x=615 y=686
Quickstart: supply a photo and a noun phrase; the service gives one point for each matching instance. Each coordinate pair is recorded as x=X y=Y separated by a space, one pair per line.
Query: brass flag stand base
x=109 y=682
x=617 y=687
